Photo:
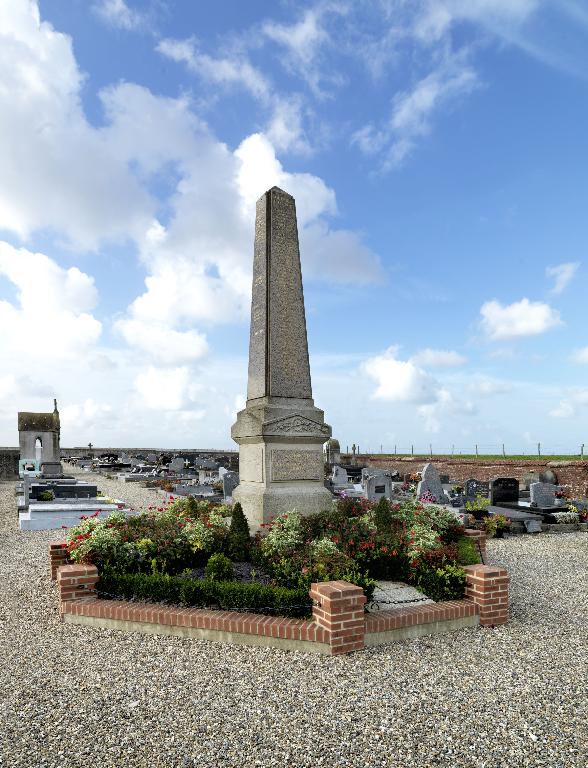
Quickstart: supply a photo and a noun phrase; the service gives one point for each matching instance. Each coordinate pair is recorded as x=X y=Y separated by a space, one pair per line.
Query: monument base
x=261 y=504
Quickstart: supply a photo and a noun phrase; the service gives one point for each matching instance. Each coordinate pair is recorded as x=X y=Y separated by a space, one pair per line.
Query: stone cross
x=280 y=432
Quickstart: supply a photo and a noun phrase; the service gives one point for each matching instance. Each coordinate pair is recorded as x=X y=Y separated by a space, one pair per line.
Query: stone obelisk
x=280 y=432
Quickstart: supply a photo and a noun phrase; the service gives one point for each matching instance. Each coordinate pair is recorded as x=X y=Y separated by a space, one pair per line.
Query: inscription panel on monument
x=297 y=465
x=251 y=464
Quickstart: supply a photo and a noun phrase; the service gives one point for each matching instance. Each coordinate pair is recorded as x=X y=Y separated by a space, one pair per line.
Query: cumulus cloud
x=54 y=307
x=46 y=137
x=400 y=381
x=163 y=344
x=87 y=415
x=165 y=389
x=562 y=275
x=521 y=318
x=438 y=358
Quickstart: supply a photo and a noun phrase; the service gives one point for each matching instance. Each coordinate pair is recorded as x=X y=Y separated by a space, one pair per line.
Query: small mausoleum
x=38 y=436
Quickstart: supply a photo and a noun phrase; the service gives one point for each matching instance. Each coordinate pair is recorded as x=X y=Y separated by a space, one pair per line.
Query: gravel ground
x=514 y=696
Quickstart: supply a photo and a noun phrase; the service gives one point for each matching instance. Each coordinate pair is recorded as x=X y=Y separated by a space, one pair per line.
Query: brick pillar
x=57 y=556
x=478 y=538
x=77 y=582
x=338 y=607
x=488 y=588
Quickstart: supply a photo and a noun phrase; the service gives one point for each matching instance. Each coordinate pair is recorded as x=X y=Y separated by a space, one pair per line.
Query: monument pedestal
x=281 y=465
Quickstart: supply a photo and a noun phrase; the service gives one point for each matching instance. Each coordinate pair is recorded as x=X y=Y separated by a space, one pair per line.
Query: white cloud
x=580 y=355
x=88 y=415
x=285 y=126
x=437 y=16
x=521 y=318
x=45 y=137
x=53 y=309
x=161 y=343
x=400 y=381
x=119 y=14
x=303 y=41
x=224 y=70
x=569 y=406
x=438 y=358
x=562 y=275
x=412 y=112
x=165 y=389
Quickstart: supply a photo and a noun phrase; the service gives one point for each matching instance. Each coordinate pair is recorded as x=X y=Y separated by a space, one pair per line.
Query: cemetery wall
x=9 y=463
x=573 y=474
x=97 y=450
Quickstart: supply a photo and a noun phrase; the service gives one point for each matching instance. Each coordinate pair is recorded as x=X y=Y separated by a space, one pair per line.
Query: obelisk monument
x=280 y=432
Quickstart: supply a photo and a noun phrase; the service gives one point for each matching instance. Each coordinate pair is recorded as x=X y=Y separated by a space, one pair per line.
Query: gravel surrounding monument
x=280 y=432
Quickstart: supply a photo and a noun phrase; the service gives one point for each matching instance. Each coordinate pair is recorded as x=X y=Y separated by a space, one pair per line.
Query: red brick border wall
x=487 y=587
x=412 y=616
x=339 y=622
x=57 y=557
x=338 y=608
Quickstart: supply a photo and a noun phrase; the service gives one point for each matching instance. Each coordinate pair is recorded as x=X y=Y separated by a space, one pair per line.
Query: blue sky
x=437 y=152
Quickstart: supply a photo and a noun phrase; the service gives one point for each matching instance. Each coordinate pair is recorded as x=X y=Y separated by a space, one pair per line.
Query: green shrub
x=202 y=593
x=239 y=538
x=383 y=517
x=46 y=496
x=447 y=582
x=467 y=552
x=219 y=568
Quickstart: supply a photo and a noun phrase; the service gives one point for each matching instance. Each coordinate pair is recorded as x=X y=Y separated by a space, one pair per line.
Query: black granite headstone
x=473 y=488
x=504 y=489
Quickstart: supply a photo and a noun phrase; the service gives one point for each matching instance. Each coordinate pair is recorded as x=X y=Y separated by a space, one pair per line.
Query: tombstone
x=230 y=482
x=473 y=488
x=377 y=484
x=339 y=476
x=333 y=451
x=221 y=472
x=176 y=465
x=505 y=489
x=431 y=483
x=543 y=495
x=548 y=476
x=152 y=458
x=530 y=477
x=444 y=479
x=280 y=432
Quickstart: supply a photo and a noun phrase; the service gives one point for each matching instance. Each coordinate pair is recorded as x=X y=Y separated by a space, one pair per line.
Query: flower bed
x=156 y=554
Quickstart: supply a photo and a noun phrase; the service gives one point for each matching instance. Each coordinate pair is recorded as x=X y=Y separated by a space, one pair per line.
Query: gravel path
x=515 y=696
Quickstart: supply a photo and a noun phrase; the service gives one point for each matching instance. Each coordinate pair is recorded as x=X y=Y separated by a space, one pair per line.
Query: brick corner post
x=487 y=587
x=478 y=538
x=57 y=556
x=77 y=583
x=338 y=607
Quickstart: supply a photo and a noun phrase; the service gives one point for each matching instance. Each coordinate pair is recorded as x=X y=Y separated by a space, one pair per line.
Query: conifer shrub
x=239 y=538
